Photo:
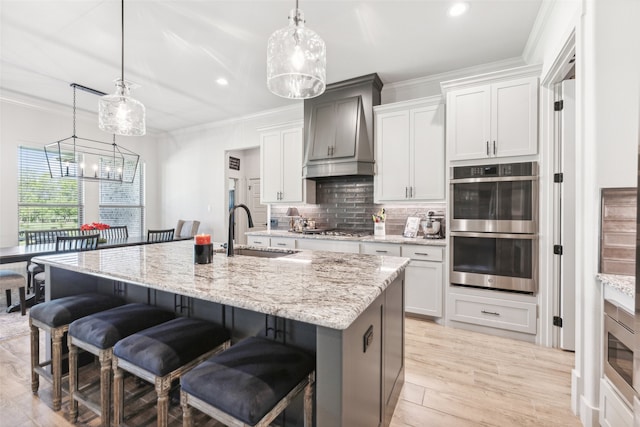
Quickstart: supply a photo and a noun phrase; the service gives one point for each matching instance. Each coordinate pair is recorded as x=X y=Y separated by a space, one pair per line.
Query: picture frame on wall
x=411 y=227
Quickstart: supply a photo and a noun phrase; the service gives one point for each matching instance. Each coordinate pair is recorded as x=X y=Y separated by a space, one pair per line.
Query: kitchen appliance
x=498 y=198
x=494 y=241
x=619 y=342
x=432 y=226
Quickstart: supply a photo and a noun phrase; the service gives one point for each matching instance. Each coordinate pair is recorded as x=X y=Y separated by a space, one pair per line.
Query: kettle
x=431 y=227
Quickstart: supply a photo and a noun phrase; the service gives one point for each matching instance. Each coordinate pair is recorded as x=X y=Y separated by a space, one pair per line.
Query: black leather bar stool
x=162 y=354
x=97 y=334
x=54 y=318
x=249 y=384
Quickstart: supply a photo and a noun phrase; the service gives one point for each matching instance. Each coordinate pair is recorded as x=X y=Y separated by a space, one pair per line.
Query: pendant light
x=90 y=159
x=119 y=113
x=296 y=60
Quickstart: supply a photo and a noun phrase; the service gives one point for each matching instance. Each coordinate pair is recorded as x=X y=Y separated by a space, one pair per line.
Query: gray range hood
x=338 y=129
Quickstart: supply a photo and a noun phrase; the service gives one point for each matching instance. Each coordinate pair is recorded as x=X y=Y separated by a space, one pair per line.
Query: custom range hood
x=338 y=129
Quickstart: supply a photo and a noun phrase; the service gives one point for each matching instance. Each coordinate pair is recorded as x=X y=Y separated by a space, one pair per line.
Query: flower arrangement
x=94 y=226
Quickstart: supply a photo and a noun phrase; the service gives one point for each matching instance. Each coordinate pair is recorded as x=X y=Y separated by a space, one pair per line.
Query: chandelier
x=296 y=60
x=119 y=113
x=89 y=159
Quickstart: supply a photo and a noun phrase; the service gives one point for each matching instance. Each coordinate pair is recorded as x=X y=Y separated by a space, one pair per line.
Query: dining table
x=24 y=253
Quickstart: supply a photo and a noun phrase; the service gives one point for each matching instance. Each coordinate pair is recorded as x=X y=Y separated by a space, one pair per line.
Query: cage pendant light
x=89 y=159
x=296 y=60
x=119 y=113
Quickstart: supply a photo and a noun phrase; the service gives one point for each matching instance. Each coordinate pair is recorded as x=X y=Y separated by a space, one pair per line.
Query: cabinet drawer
x=260 y=241
x=380 y=249
x=283 y=242
x=423 y=252
x=493 y=312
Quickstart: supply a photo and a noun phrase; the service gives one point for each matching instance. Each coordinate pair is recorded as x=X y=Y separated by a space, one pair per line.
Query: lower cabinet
x=489 y=311
x=259 y=241
x=283 y=242
x=424 y=288
x=329 y=245
x=424 y=280
x=614 y=411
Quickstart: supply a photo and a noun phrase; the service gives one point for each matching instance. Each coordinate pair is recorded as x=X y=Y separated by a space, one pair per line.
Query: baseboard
x=575 y=391
x=589 y=415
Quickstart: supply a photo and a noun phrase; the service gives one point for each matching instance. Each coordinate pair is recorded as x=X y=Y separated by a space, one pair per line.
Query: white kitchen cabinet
x=283 y=242
x=329 y=245
x=492 y=119
x=614 y=410
x=383 y=249
x=281 y=150
x=424 y=280
x=259 y=241
x=410 y=153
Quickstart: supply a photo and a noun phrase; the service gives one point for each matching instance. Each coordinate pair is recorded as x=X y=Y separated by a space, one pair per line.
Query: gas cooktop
x=337 y=232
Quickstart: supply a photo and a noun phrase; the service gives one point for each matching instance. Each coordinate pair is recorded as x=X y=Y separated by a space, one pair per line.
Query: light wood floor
x=453 y=378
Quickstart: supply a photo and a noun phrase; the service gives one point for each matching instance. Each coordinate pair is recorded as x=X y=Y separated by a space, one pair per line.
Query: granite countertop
x=397 y=239
x=321 y=288
x=624 y=284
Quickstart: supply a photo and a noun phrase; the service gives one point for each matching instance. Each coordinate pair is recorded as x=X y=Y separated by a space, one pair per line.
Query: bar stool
x=250 y=384
x=54 y=317
x=11 y=280
x=162 y=354
x=97 y=334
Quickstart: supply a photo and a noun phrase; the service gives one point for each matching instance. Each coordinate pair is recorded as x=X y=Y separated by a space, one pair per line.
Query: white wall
x=607 y=74
x=32 y=122
x=193 y=167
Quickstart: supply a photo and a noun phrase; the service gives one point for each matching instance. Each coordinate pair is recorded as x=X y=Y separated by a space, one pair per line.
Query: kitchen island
x=347 y=308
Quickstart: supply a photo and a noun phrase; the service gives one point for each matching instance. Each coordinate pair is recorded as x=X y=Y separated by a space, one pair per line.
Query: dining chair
x=66 y=244
x=115 y=232
x=186 y=228
x=40 y=237
x=160 y=235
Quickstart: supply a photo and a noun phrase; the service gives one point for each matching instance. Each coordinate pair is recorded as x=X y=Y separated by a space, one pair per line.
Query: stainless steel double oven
x=494 y=226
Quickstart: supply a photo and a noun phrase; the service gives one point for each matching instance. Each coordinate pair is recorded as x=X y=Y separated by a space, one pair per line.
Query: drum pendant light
x=296 y=60
x=119 y=113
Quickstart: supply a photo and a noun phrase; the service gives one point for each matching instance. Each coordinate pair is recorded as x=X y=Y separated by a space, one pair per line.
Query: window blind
x=45 y=203
x=123 y=204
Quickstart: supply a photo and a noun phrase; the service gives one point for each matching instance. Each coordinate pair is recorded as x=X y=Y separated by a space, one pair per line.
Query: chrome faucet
x=231 y=222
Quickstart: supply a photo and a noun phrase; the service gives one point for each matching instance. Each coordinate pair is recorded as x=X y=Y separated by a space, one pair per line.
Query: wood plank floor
x=453 y=378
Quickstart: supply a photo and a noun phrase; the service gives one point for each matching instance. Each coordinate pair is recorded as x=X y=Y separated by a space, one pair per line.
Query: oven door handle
x=493 y=179
x=494 y=235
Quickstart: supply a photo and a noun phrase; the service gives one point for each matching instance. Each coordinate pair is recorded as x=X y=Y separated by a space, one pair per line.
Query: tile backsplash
x=347 y=203
x=618 y=231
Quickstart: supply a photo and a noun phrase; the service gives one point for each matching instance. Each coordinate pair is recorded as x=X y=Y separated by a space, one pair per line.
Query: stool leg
x=163 y=385
x=35 y=357
x=56 y=367
x=118 y=394
x=187 y=421
x=308 y=405
x=8 y=294
x=73 y=380
x=23 y=304
x=28 y=279
x=105 y=388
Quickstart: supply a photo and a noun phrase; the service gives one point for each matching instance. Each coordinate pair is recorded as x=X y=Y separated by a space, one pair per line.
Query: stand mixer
x=432 y=226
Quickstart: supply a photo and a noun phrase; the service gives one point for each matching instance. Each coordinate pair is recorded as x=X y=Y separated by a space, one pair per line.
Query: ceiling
x=176 y=49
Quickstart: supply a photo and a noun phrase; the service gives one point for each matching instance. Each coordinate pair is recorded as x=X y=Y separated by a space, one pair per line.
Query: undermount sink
x=262 y=253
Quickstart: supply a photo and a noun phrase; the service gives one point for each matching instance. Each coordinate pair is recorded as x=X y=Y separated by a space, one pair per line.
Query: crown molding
x=510 y=73
x=539 y=26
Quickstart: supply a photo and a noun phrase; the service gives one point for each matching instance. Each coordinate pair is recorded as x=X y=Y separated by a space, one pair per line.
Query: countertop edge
x=624 y=284
x=390 y=238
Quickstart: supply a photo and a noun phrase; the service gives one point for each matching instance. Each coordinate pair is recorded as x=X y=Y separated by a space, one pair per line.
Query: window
x=123 y=204
x=45 y=203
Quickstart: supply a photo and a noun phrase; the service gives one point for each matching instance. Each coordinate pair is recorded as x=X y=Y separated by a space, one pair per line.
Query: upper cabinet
x=281 y=164
x=495 y=115
x=410 y=153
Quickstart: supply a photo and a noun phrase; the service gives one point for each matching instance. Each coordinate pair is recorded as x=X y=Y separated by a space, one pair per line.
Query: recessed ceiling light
x=222 y=81
x=458 y=9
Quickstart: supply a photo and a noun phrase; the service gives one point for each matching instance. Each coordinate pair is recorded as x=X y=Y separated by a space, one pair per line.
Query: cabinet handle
x=333 y=148
x=406 y=192
x=487 y=148
x=493 y=313
x=411 y=192
x=328 y=150
x=282 y=244
x=422 y=253
x=494 y=148
x=257 y=242
x=381 y=252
